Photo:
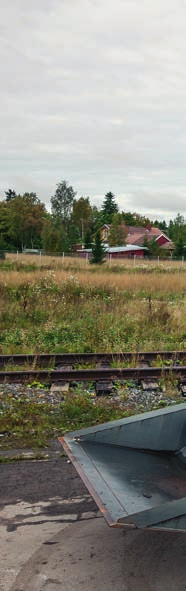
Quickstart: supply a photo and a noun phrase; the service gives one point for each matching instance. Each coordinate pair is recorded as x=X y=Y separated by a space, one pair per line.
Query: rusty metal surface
x=135 y=468
x=94 y=374
x=74 y=358
x=77 y=462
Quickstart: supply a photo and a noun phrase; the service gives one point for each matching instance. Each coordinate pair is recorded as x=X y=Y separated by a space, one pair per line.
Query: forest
x=25 y=222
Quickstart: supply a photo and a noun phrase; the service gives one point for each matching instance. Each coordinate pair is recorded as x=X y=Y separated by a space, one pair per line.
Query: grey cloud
x=94 y=91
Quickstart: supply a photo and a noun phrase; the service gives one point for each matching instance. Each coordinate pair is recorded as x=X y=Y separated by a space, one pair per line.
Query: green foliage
x=23 y=222
x=146 y=245
x=162 y=226
x=73 y=235
x=81 y=214
x=154 y=249
x=62 y=203
x=53 y=237
x=109 y=207
x=95 y=220
x=30 y=423
x=10 y=194
x=25 y=215
x=117 y=234
x=135 y=219
x=129 y=218
x=177 y=229
x=88 y=239
x=2 y=246
x=179 y=251
x=45 y=316
x=98 y=250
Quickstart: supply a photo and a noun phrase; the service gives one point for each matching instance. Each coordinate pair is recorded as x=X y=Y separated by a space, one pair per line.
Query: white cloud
x=94 y=91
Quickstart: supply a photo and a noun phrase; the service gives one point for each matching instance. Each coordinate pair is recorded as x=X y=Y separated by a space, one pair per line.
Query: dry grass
x=53 y=262
x=62 y=310
x=151 y=283
x=75 y=262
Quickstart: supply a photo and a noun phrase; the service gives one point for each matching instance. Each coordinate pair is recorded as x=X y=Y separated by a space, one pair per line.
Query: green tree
x=17 y=219
x=154 y=248
x=95 y=220
x=4 y=225
x=109 y=207
x=62 y=203
x=73 y=235
x=10 y=194
x=117 y=219
x=35 y=213
x=163 y=226
x=98 y=250
x=2 y=247
x=117 y=234
x=88 y=239
x=25 y=220
x=54 y=238
x=129 y=218
x=141 y=220
x=179 y=250
x=146 y=245
x=81 y=214
x=177 y=228
x=31 y=198
x=179 y=220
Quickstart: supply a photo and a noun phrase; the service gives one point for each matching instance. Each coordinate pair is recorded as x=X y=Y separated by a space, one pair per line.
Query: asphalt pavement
x=53 y=538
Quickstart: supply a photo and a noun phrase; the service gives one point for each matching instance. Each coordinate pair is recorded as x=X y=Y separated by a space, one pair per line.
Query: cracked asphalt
x=52 y=537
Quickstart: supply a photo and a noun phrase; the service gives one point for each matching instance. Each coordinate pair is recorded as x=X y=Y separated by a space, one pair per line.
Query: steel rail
x=86 y=375
x=74 y=358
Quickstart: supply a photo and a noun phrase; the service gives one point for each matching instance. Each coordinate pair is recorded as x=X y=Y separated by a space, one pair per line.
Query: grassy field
x=91 y=308
x=75 y=263
x=70 y=306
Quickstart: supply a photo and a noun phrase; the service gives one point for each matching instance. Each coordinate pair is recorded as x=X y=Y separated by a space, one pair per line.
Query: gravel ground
x=129 y=396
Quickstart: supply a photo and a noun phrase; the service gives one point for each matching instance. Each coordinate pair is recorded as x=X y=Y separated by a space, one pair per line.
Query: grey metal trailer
x=135 y=468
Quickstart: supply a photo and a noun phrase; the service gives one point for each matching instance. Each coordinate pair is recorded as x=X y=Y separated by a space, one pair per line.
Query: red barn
x=135 y=235
x=116 y=252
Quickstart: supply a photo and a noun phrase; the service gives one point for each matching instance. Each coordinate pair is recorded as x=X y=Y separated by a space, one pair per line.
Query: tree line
x=25 y=222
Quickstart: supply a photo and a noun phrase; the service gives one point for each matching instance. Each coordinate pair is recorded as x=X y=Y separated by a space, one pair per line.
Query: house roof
x=127 y=248
x=111 y=249
x=135 y=235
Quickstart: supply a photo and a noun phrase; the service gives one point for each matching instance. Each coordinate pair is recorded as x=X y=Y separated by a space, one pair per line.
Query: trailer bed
x=135 y=468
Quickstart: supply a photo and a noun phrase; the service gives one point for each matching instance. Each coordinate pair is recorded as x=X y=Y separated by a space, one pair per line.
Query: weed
x=162 y=403
x=25 y=423
x=76 y=309
x=22 y=457
x=36 y=384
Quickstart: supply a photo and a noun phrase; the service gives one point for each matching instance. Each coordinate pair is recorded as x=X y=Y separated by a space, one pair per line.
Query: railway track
x=83 y=358
x=62 y=367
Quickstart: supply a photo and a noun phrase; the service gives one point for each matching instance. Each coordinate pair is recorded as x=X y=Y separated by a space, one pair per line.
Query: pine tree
x=2 y=247
x=146 y=245
x=88 y=239
x=154 y=248
x=98 y=250
x=179 y=248
x=10 y=194
x=109 y=207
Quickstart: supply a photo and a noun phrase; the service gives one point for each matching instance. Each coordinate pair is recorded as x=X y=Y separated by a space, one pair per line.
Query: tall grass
x=76 y=263
x=47 y=311
x=154 y=283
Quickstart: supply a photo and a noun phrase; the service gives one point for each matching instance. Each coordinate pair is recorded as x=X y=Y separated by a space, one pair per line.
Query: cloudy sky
x=94 y=92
